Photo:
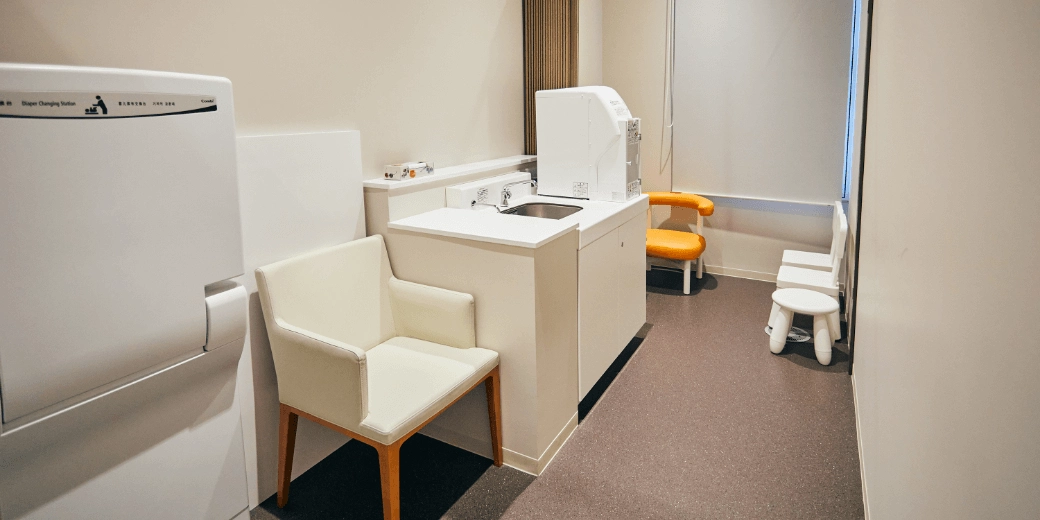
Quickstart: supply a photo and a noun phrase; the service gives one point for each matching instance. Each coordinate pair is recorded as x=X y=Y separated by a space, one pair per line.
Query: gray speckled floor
x=703 y=422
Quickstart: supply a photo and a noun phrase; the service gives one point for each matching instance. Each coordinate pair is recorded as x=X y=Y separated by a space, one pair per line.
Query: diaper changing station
x=123 y=324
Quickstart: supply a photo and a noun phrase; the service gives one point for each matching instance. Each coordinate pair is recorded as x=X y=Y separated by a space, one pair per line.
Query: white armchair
x=368 y=355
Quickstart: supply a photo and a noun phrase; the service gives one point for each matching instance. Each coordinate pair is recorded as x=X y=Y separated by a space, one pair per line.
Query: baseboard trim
x=534 y=466
x=750 y=275
x=740 y=273
x=520 y=461
x=795 y=207
x=859 y=445
x=734 y=272
x=554 y=447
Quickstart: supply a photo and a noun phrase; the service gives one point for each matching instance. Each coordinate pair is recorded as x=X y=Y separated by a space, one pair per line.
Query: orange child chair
x=679 y=246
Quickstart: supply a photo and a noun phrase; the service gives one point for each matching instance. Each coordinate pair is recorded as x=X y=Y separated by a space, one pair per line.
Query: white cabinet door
x=631 y=279
x=597 y=309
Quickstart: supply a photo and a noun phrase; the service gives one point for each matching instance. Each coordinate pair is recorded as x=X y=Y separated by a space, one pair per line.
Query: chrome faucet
x=475 y=203
x=506 y=193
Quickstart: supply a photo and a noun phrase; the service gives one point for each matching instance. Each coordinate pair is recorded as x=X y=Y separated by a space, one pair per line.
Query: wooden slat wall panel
x=550 y=54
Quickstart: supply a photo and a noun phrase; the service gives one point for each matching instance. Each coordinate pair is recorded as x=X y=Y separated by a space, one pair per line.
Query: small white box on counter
x=408 y=170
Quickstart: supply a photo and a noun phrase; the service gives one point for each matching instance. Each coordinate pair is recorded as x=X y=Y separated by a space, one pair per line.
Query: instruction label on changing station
x=101 y=105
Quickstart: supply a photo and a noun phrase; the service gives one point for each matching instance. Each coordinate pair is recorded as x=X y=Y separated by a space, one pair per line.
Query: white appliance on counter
x=121 y=235
x=588 y=144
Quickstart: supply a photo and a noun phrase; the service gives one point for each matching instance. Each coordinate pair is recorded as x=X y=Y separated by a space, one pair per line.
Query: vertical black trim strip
x=859 y=194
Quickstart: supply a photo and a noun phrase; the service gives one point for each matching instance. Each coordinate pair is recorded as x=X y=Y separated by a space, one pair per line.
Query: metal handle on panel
x=225 y=317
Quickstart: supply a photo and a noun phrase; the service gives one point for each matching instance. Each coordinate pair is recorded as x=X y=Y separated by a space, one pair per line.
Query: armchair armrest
x=703 y=206
x=433 y=314
x=319 y=375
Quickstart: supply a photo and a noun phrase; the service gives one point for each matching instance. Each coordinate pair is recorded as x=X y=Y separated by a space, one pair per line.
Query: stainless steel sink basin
x=543 y=210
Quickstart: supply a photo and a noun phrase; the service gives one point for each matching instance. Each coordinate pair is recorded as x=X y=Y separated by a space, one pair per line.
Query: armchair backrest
x=339 y=292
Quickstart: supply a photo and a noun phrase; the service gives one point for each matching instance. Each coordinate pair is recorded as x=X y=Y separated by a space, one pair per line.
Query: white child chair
x=802 y=270
x=821 y=307
x=822 y=261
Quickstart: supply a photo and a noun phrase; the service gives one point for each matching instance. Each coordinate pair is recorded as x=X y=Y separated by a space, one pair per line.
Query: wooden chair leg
x=286 y=445
x=493 y=388
x=390 y=477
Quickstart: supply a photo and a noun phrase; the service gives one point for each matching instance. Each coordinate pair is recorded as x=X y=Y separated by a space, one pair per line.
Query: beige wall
x=633 y=65
x=946 y=379
x=590 y=42
x=436 y=80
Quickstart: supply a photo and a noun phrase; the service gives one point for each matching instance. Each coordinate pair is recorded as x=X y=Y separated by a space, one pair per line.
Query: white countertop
x=485 y=224
x=489 y=226
x=597 y=217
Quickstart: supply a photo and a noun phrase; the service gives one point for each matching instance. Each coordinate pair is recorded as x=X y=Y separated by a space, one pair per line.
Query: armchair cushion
x=432 y=314
x=674 y=245
x=410 y=380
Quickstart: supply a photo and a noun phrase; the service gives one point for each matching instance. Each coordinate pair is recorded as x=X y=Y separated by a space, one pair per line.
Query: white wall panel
x=298 y=192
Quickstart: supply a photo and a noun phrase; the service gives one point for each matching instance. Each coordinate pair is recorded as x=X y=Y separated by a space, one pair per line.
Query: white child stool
x=821 y=307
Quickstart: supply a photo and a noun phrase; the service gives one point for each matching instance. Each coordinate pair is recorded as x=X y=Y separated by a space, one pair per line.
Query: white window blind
x=761 y=94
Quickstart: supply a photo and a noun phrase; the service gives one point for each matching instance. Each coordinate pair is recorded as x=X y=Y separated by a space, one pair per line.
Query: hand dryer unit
x=588 y=144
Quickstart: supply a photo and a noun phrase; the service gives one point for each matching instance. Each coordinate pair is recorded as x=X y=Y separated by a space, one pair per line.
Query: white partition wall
x=946 y=381
x=298 y=192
